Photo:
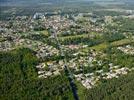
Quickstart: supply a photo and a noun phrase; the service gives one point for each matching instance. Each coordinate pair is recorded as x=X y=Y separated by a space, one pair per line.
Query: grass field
x=44 y=32
x=103 y=46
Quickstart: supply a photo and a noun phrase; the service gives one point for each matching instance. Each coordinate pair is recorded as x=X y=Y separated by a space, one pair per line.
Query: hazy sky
x=31 y=2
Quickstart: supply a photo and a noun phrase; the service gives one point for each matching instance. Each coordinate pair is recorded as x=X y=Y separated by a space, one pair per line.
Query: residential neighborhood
x=66 y=49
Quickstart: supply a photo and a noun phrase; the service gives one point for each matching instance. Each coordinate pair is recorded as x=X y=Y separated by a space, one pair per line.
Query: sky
x=33 y=2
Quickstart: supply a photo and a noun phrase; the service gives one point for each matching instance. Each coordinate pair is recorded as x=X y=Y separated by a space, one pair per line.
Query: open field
x=103 y=46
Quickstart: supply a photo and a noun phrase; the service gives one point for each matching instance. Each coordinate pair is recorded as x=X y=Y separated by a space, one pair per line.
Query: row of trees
x=106 y=37
x=110 y=37
x=85 y=40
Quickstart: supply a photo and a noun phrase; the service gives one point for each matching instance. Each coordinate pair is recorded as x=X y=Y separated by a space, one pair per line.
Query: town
x=38 y=34
x=66 y=49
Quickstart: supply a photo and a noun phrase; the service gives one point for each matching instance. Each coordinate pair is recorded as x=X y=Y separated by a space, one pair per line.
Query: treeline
x=18 y=79
x=114 y=89
x=74 y=41
x=85 y=40
x=91 y=41
x=110 y=37
x=37 y=37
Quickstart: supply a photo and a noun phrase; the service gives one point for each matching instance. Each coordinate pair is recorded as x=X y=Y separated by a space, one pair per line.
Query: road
x=66 y=69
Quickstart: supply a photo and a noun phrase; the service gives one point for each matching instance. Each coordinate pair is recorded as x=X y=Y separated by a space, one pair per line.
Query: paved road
x=67 y=71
